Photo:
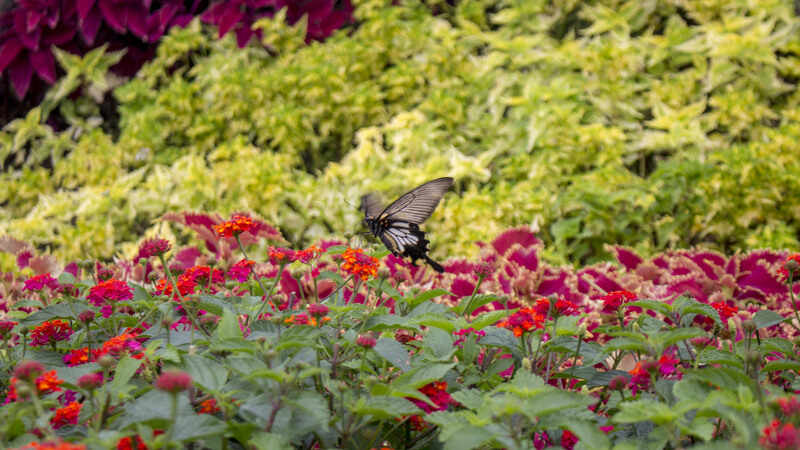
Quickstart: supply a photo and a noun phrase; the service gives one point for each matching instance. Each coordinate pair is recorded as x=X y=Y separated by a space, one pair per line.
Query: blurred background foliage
x=654 y=124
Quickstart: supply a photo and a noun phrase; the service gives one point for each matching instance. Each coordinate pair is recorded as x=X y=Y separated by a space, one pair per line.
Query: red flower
x=81 y=356
x=209 y=406
x=725 y=311
x=199 y=274
x=186 y=286
x=666 y=364
x=366 y=341
x=303 y=319
x=305 y=256
x=118 y=344
x=241 y=270
x=39 y=282
x=90 y=381
x=237 y=225
x=174 y=381
x=48 y=382
x=522 y=321
x=437 y=393
x=104 y=293
x=281 y=255
x=790 y=267
x=613 y=300
x=360 y=265
x=562 y=308
x=49 y=332
x=790 y=406
x=777 y=437
x=5 y=328
x=131 y=443
x=67 y=415
x=568 y=440
x=318 y=310
x=152 y=247
x=640 y=375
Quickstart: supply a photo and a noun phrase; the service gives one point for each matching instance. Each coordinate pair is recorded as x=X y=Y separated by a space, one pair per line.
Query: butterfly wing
x=371 y=204
x=418 y=204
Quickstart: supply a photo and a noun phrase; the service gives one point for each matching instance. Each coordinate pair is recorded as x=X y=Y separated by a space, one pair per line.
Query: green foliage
x=650 y=124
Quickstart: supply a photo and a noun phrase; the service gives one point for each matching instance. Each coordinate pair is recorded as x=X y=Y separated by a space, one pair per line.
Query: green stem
x=472 y=297
x=173 y=417
x=37 y=405
x=794 y=302
x=268 y=294
x=189 y=311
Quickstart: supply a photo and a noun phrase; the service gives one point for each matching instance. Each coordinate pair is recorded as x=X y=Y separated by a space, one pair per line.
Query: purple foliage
x=31 y=28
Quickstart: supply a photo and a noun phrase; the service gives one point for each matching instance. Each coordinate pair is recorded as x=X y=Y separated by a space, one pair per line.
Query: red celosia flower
x=39 y=282
x=49 y=332
x=209 y=406
x=152 y=247
x=199 y=274
x=5 y=328
x=281 y=255
x=568 y=440
x=790 y=267
x=90 y=381
x=237 y=225
x=613 y=300
x=522 y=321
x=789 y=406
x=58 y=445
x=174 y=381
x=241 y=270
x=67 y=415
x=131 y=443
x=360 y=265
x=777 y=436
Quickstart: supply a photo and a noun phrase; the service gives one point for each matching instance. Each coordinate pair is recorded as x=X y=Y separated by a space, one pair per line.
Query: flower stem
x=472 y=297
x=173 y=417
x=189 y=311
x=267 y=295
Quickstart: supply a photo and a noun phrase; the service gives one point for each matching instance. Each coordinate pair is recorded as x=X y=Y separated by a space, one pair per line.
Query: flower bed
x=339 y=347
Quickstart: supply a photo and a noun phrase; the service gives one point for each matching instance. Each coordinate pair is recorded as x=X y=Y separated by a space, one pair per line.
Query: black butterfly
x=397 y=225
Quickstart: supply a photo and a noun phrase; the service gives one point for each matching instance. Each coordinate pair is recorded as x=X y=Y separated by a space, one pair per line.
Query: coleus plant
x=31 y=28
x=335 y=347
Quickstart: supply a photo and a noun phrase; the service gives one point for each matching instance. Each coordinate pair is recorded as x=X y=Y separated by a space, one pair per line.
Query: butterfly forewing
x=417 y=205
x=371 y=204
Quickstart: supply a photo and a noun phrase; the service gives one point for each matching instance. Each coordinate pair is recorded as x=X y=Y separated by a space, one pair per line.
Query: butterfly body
x=397 y=225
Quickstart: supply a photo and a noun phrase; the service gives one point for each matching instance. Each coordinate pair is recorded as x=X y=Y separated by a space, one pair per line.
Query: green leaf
x=588 y=433
x=440 y=343
x=467 y=437
x=478 y=301
x=196 y=426
x=228 y=327
x=711 y=355
x=57 y=311
x=471 y=398
x=653 y=305
x=208 y=374
x=422 y=375
x=782 y=364
x=394 y=352
x=503 y=338
x=384 y=407
x=626 y=343
x=425 y=296
x=270 y=441
x=488 y=318
x=71 y=374
x=66 y=278
x=672 y=337
x=642 y=410
x=126 y=368
x=766 y=318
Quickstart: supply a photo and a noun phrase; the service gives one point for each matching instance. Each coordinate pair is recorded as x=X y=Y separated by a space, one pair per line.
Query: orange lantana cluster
x=237 y=225
x=358 y=264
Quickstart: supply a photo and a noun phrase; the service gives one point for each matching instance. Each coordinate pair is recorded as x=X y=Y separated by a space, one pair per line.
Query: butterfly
x=397 y=225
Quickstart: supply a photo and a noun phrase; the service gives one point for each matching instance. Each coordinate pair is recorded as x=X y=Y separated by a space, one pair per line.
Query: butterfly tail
x=436 y=266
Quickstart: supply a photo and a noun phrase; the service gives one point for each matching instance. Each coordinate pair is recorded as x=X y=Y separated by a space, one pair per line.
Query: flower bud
x=86 y=316
x=174 y=381
x=366 y=341
x=618 y=383
x=28 y=370
x=90 y=381
x=318 y=310
x=527 y=364
x=107 y=362
x=749 y=326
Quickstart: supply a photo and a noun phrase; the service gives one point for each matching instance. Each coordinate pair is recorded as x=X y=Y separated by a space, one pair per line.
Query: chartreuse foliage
x=651 y=124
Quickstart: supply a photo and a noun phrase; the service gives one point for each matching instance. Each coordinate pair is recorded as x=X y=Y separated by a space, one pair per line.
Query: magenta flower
x=105 y=293
x=39 y=282
x=174 y=381
x=241 y=270
x=152 y=247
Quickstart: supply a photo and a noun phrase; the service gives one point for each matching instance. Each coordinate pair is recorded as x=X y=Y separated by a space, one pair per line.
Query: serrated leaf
x=394 y=352
x=659 y=307
x=228 y=327
x=782 y=364
x=207 y=373
x=385 y=407
x=765 y=318
x=425 y=296
x=126 y=368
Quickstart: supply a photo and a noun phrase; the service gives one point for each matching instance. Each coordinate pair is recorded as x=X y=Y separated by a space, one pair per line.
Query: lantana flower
x=67 y=415
x=780 y=436
x=39 y=282
x=613 y=300
x=359 y=264
x=237 y=225
x=105 y=293
x=152 y=247
x=241 y=270
x=50 y=332
x=523 y=321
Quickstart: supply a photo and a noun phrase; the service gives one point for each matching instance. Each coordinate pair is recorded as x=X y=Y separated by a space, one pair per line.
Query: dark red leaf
x=115 y=16
x=215 y=11
x=44 y=64
x=20 y=73
x=137 y=22
x=52 y=17
x=59 y=36
x=90 y=25
x=32 y=19
x=8 y=51
x=181 y=20
x=243 y=35
x=84 y=6
x=231 y=17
